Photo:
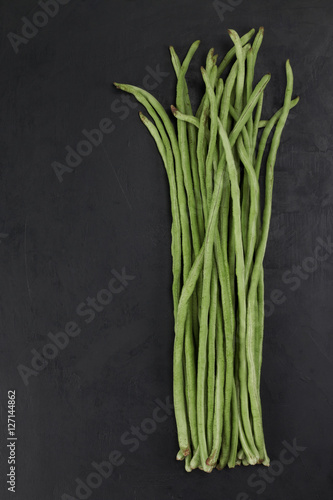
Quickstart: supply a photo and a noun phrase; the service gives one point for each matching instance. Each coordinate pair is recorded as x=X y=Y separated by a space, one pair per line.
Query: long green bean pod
x=250 y=341
x=213 y=160
x=192 y=140
x=240 y=274
x=164 y=148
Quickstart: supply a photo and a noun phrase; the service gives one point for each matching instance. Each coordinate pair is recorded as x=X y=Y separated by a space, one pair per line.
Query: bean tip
x=173 y=109
x=143 y=118
x=211 y=462
x=233 y=33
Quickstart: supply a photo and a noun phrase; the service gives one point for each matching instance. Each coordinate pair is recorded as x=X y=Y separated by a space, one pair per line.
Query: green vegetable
x=213 y=159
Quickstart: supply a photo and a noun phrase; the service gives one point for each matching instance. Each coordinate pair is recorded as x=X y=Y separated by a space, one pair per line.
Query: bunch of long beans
x=219 y=232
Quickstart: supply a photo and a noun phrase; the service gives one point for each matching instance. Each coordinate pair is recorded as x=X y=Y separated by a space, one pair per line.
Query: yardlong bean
x=213 y=160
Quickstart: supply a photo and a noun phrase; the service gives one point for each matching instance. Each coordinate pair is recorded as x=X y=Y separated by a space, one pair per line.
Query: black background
x=61 y=240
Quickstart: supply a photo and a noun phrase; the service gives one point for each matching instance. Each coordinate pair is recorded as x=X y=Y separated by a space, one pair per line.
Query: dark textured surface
x=60 y=242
